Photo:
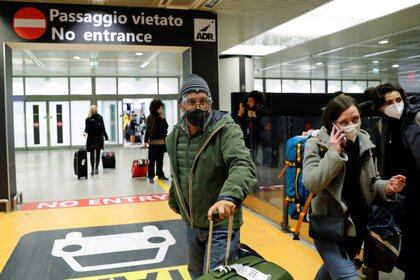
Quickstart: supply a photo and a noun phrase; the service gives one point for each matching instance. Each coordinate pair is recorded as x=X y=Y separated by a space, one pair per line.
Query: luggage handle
x=210 y=241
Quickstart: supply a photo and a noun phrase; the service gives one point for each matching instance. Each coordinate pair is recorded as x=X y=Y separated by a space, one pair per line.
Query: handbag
x=326 y=227
x=383 y=242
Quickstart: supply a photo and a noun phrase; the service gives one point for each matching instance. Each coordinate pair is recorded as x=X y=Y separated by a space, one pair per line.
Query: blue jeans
x=197 y=249
x=337 y=263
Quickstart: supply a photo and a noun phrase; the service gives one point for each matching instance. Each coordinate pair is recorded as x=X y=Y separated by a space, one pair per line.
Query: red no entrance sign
x=29 y=23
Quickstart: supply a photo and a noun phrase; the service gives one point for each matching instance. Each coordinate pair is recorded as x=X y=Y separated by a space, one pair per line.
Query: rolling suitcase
x=108 y=159
x=80 y=164
x=248 y=267
x=139 y=168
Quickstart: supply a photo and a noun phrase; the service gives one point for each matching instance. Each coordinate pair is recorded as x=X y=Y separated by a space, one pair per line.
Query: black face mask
x=197 y=117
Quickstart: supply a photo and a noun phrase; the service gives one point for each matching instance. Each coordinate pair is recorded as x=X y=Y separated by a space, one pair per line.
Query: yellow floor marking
x=163 y=274
x=301 y=261
x=163 y=185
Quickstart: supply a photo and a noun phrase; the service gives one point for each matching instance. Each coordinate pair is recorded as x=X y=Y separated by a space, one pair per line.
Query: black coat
x=156 y=128
x=95 y=129
x=410 y=139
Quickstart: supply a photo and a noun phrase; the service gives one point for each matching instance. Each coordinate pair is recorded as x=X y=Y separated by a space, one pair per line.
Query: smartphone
x=344 y=141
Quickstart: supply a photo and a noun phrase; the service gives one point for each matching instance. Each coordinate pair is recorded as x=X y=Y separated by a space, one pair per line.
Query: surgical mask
x=395 y=110
x=351 y=131
x=197 y=117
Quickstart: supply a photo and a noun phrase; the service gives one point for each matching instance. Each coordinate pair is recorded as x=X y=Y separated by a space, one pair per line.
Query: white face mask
x=395 y=110
x=351 y=131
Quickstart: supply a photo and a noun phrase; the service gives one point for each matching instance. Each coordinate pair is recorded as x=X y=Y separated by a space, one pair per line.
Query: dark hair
x=258 y=96
x=151 y=119
x=368 y=94
x=379 y=95
x=335 y=108
x=338 y=93
x=155 y=105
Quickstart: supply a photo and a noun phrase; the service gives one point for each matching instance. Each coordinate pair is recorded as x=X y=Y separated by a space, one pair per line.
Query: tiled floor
x=48 y=175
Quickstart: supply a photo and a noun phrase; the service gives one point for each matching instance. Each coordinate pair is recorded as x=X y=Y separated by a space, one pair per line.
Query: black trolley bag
x=80 y=163
x=108 y=159
x=246 y=266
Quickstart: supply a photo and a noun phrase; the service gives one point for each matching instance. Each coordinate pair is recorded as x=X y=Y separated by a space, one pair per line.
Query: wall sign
x=109 y=25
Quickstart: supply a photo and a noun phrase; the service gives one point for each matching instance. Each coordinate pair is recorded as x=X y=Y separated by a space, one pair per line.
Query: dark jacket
x=95 y=129
x=222 y=168
x=156 y=128
x=410 y=132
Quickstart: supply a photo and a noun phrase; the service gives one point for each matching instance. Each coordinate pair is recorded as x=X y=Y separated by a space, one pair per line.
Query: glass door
x=36 y=124
x=59 y=123
x=108 y=109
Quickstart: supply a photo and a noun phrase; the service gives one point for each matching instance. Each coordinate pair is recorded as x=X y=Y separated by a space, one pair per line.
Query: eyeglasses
x=193 y=103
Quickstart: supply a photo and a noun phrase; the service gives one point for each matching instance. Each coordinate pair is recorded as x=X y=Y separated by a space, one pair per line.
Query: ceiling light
x=98 y=1
x=379 y=53
x=395 y=66
x=147 y=62
x=375 y=62
x=255 y=50
x=35 y=59
x=327 y=19
x=139 y=53
x=414 y=56
x=76 y=57
x=345 y=69
x=319 y=63
x=375 y=71
x=331 y=51
x=383 y=42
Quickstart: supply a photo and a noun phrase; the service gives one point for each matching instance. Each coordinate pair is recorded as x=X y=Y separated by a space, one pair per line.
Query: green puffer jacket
x=222 y=167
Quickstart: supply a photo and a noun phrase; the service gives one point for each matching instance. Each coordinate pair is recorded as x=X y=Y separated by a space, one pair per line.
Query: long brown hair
x=151 y=119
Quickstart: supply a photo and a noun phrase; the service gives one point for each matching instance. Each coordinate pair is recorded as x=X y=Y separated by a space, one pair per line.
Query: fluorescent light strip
x=410 y=71
x=284 y=63
x=35 y=59
x=345 y=69
x=150 y=59
x=327 y=19
x=414 y=56
x=379 y=53
x=331 y=51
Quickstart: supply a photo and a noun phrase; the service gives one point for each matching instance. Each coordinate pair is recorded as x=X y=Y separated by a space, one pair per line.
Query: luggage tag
x=249 y=273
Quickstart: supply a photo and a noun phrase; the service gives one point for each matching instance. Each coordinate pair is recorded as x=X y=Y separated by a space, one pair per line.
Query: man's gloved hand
x=224 y=207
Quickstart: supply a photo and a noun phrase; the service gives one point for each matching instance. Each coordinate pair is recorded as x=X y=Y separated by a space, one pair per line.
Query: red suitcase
x=139 y=168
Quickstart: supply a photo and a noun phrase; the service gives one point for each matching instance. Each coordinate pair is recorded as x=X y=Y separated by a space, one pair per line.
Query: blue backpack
x=296 y=193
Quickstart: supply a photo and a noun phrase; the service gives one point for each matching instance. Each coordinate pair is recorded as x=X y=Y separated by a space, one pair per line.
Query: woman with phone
x=338 y=167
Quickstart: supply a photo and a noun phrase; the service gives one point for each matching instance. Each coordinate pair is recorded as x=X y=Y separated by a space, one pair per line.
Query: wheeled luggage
x=139 y=168
x=108 y=159
x=249 y=267
x=80 y=163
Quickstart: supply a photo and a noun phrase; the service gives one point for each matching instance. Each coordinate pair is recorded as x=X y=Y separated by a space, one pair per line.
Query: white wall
x=228 y=81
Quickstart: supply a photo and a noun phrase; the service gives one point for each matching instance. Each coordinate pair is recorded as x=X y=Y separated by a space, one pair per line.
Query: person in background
x=95 y=131
x=398 y=145
x=212 y=170
x=332 y=162
x=156 y=131
x=126 y=123
x=132 y=129
x=255 y=123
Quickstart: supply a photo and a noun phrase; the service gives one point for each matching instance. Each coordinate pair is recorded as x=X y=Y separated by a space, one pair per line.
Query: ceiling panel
x=62 y=63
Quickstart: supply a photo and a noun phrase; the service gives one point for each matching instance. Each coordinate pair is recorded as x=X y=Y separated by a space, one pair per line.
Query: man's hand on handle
x=224 y=207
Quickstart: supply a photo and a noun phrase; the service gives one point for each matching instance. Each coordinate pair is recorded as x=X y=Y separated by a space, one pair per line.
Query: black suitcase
x=80 y=163
x=108 y=159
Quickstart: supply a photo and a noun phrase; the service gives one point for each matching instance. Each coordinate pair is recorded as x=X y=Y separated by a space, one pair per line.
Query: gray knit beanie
x=194 y=83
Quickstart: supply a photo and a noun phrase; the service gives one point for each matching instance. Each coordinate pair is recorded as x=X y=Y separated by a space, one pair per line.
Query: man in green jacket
x=212 y=170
